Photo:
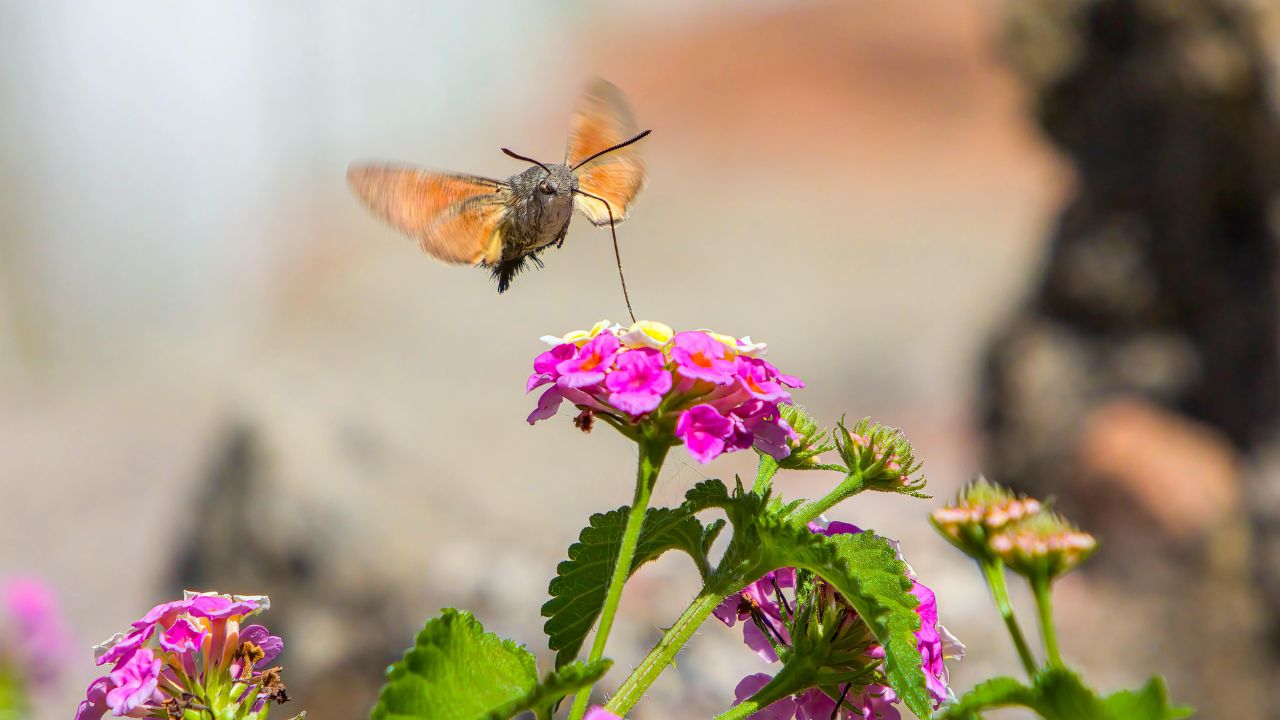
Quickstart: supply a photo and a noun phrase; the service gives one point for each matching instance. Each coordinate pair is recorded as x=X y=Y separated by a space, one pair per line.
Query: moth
x=502 y=225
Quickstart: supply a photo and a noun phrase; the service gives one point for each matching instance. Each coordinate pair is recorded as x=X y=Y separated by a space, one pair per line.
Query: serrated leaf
x=581 y=583
x=557 y=685
x=863 y=567
x=457 y=671
x=866 y=570
x=1150 y=702
x=1059 y=694
x=996 y=692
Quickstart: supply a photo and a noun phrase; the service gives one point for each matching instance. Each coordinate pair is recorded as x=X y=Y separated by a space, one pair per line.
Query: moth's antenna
x=619 y=146
x=617 y=255
x=526 y=159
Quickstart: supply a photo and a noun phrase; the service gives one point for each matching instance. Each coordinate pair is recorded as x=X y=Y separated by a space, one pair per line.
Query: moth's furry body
x=539 y=208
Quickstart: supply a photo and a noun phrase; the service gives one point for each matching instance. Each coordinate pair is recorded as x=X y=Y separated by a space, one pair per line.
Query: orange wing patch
x=601 y=121
x=455 y=218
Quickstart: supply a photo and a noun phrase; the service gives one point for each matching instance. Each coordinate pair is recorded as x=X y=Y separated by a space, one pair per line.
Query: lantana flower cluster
x=34 y=639
x=988 y=521
x=713 y=392
x=195 y=653
x=767 y=616
x=980 y=510
x=1044 y=544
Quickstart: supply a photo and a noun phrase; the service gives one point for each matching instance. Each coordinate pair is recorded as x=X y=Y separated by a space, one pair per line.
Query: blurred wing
x=603 y=120
x=455 y=218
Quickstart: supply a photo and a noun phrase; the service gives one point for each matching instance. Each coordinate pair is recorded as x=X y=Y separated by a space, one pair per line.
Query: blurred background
x=1038 y=236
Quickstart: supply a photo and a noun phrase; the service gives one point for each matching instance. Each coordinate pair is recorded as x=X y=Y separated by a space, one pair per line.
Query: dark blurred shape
x=339 y=636
x=1142 y=373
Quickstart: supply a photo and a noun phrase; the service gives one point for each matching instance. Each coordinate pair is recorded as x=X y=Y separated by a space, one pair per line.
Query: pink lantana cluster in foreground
x=712 y=392
x=33 y=634
x=193 y=653
x=762 y=603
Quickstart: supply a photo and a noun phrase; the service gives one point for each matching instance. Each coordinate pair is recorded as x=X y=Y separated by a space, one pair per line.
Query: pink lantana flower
x=758 y=604
x=763 y=603
x=710 y=392
x=588 y=365
x=189 y=652
x=641 y=379
x=134 y=682
x=699 y=356
x=705 y=432
x=34 y=639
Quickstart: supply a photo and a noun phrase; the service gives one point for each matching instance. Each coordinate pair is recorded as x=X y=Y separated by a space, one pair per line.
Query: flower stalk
x=664 y=653
x=993 y=572
x=652 y=453
x=1041 y=588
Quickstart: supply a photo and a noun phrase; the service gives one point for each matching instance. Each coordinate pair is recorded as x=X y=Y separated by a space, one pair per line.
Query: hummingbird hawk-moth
x=503 y=224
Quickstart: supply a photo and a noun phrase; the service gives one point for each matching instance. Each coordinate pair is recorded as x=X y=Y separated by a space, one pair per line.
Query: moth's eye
x=546 y=188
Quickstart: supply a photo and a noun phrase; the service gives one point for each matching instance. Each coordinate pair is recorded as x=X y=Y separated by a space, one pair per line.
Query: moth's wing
x=455 y=218
x=601 y=121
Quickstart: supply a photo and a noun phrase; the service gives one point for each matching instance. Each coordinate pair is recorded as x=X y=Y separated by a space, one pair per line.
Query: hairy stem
x=650 y=463
x=764 y=473
x=664 y=653
x=1044 y=605
x=850 y=486
x=993 y=572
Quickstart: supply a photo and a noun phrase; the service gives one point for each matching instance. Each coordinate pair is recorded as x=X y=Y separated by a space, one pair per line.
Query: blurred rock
x=1142 y=372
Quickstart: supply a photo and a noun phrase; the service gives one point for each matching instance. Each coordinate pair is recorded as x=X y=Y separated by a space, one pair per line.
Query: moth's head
x=548 y=182
x=557 y=181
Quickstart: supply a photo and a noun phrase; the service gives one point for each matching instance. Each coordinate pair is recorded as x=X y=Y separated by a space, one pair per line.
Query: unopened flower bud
x=1042 y=546
x=882 y=454
x=981 y=509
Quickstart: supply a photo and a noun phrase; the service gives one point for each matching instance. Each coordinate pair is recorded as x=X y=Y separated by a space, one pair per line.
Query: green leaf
x=556 y=686
x=863 y=567
x=1150 y=702
x=866 y=570
x=457 y=671
x=1059 y=694
x=581 y=583
x=996 y=692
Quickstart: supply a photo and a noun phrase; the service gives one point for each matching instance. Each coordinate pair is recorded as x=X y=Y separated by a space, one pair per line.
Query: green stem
x=850 y=486
x=765 y=471
x=791 y=679
x=993 y=571
x=664 y=653
x=1044 y=604
x=650 y=463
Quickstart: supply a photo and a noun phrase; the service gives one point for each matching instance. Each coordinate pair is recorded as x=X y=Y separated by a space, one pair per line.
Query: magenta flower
x=639 y=381
x=260 y=636
x=784 y=709
x=762 y=381
x=185 y=636
x=544 y=366
x=588 y=365
x=598 y=713
x=121 y=648
x=705 y=432
x=706 y=390
x=94 y=706
x=758 y=604
x=134 y=682
x=698 y=356
x=33 y=635
x=762 y=604
x=194 y=647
